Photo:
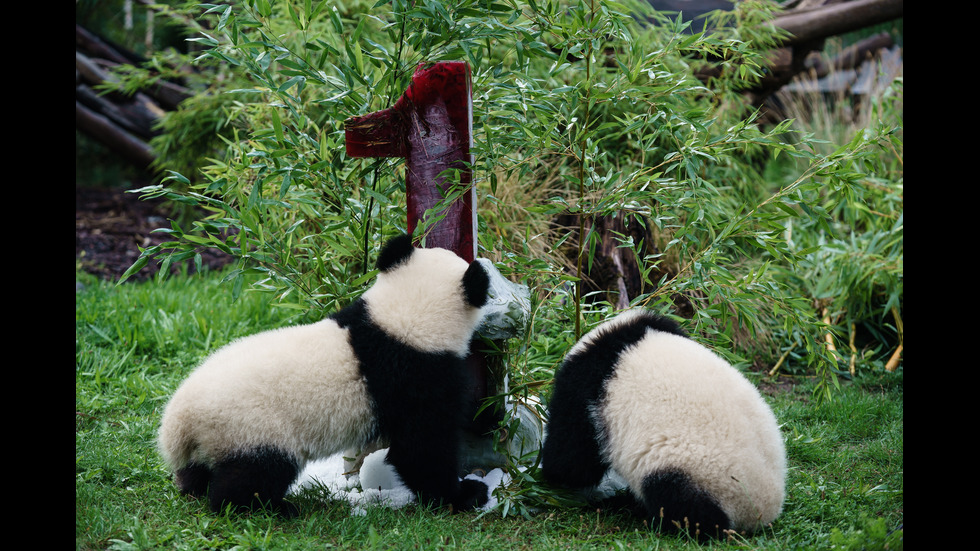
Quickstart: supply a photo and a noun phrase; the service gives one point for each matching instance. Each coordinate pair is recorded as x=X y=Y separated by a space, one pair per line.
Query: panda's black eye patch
x=476 y=285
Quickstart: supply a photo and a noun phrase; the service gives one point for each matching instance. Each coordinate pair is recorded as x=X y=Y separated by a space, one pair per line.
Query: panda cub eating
x=389 y=366
x=699 y=448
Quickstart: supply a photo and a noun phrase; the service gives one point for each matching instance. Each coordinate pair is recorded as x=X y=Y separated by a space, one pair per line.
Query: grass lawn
x=134 y=343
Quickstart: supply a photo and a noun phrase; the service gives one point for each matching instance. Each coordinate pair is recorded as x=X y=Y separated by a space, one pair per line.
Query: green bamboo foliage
x=585 y=107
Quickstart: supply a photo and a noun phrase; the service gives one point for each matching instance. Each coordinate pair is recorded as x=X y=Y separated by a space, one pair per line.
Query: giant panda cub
x=696 y=444
x=389 y=366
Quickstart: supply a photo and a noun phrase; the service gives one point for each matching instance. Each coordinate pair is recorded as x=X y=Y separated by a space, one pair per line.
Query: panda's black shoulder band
x=661 y=323
x=395 y=251
x=611 y=340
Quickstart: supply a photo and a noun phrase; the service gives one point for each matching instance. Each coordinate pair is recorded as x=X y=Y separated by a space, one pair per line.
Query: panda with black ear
x=696 y=444
x=389 y=366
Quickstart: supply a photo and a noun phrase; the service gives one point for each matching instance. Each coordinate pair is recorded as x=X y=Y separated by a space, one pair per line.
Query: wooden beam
x=835 y=19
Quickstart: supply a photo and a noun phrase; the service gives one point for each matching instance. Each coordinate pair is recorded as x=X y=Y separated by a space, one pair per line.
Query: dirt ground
x=111 y=225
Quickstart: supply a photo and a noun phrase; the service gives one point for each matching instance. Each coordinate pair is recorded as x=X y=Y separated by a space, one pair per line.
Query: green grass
x=134 y=344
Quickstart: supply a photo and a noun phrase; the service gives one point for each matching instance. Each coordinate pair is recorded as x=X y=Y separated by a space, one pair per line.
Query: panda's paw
x=472 y=494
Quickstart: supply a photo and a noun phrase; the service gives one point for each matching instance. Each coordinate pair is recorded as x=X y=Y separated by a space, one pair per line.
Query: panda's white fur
x=688 y=433
x=427 y=316
x=270 y=389
x=389 y=366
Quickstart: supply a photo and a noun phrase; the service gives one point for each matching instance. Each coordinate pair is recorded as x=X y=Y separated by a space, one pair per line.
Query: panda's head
x=427 y=298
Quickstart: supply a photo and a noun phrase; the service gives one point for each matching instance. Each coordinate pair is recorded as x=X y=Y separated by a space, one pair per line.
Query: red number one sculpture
x=430 y=126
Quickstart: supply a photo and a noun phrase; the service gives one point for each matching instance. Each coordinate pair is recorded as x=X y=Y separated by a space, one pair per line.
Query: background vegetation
x=784 y=246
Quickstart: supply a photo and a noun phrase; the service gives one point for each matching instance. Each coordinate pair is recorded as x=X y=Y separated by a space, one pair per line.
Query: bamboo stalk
x=899 y=326
x=853 y=349
x=893 y=361
x=896 y=357
x=775 y=368
x=829 y=337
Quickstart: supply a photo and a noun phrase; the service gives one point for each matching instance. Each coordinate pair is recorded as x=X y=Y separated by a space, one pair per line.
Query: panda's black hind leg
x=674 y=503
x=254 y=479
x=193 y=479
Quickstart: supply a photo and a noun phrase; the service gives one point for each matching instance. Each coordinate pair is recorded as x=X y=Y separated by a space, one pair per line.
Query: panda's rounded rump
x=691 y=411
x=270 y=388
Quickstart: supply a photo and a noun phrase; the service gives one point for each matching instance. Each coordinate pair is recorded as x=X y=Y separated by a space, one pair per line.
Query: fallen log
x=807 y=29
x=125 y=123
x=850 y=57
x=819 y=23
x=123 y=143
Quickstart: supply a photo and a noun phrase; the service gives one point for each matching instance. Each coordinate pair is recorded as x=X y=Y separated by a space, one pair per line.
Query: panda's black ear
x=476 y=285
x=395 y=251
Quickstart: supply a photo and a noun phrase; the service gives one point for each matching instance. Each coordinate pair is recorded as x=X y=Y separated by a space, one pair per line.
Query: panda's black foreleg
x=418 y=401
x=431 y=473
x=570 y=456
x=472 y=494
x=254 y=479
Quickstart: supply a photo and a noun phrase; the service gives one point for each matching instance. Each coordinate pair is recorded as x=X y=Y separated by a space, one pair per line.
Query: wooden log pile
x=809 y=23
x=123 y=123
